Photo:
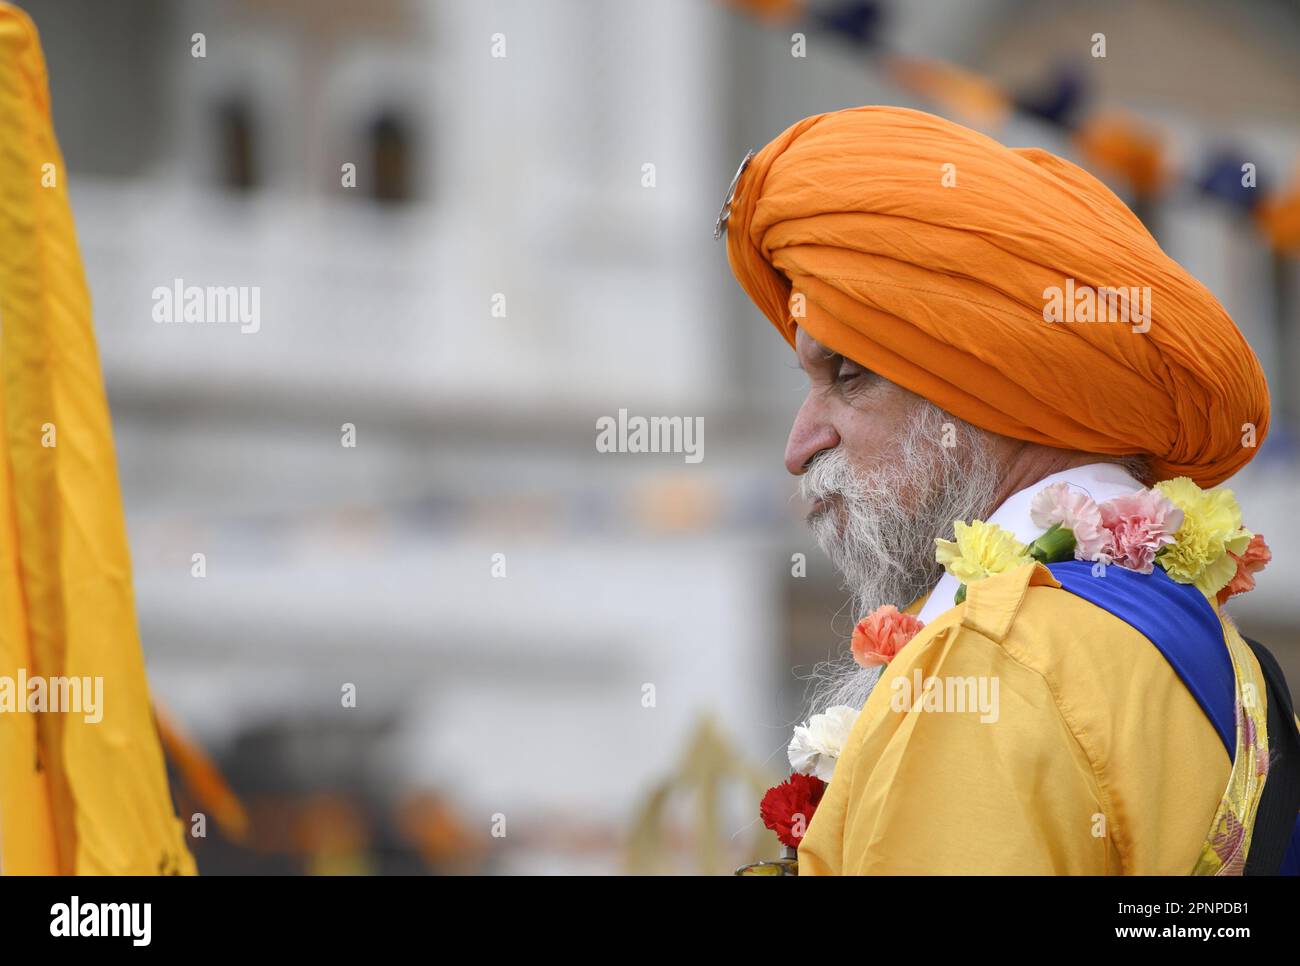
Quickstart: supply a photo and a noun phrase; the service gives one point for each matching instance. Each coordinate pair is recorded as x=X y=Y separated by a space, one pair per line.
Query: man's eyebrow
x=821 y=355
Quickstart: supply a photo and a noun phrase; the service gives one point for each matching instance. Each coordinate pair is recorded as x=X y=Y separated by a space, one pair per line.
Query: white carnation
x=816 y=745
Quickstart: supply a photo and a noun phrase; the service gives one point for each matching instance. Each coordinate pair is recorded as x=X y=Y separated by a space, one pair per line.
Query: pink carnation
x=1139 y=524
x=1074 y=511
x=881 y=634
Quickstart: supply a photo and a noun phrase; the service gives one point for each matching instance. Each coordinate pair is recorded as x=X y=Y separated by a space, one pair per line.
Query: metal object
x=787 y=864
x=724 y=212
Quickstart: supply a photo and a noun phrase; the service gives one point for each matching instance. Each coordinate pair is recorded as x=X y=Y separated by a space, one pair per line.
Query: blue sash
x=1182 y=625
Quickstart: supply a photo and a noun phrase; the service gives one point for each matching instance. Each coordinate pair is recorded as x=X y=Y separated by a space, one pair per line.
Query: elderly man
x=999 y=352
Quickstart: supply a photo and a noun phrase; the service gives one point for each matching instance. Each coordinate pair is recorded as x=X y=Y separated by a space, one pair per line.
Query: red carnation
x=787 y=808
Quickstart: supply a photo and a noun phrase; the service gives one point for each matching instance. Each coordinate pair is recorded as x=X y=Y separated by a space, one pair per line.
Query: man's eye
x=848 y=372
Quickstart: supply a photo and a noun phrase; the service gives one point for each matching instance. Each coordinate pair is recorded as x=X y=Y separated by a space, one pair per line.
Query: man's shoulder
x=1023 y=605
x=1023 y=622
x=1085 y=653
x=1108 y=679
x=1032 y=607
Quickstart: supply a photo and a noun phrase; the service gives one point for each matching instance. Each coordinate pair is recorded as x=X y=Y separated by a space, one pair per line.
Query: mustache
x=829 y=475
x=832 y=479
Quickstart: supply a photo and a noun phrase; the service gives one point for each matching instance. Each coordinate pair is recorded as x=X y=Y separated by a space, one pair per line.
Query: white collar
x=1101 y=481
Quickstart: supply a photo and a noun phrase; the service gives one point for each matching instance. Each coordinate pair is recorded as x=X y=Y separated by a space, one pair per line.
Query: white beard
x=883 y=548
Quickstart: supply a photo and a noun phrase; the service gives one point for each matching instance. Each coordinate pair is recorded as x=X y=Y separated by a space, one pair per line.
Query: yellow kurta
x=1099 y=761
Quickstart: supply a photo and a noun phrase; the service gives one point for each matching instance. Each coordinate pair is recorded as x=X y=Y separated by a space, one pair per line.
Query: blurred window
x=390 y=143
x=237 y=135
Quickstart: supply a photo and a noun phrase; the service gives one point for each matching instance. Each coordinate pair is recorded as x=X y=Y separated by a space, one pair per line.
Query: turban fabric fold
x=925 y=251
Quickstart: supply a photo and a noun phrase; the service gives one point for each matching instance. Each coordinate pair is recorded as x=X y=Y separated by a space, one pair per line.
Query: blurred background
x=563 y=660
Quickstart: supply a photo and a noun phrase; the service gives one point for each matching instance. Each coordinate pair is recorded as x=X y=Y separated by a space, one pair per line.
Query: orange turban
x=926 y=252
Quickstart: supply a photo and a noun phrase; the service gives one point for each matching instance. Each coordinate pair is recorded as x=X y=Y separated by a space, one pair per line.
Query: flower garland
x=1194 y=535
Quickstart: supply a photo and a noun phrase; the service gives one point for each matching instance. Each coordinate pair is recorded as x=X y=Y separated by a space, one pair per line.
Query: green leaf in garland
x=1055 y=545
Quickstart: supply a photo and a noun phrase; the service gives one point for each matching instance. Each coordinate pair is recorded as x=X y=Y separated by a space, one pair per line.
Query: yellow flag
x=81 y=791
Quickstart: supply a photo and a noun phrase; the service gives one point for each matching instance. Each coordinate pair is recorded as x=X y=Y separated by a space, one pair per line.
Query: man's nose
x=810 y=434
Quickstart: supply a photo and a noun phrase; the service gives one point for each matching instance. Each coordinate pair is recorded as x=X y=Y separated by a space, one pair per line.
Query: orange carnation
x=881 y=634
x=1249 y=562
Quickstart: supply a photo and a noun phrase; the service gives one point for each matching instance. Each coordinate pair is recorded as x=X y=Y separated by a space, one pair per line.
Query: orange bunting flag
x=975 y=98
x=1278 y=217
x=1125 y=147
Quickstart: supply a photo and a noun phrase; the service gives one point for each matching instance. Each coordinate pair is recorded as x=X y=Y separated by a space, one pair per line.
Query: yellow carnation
x=1211 y=528
x=980 y=550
